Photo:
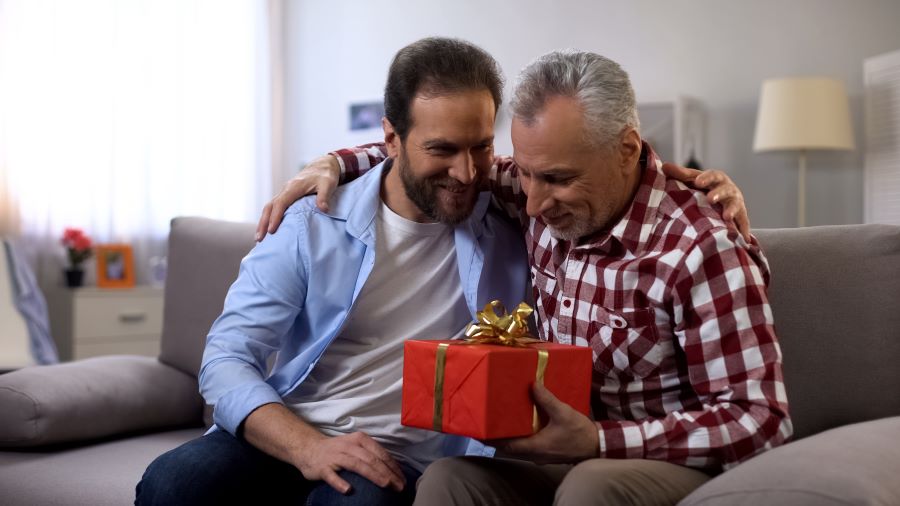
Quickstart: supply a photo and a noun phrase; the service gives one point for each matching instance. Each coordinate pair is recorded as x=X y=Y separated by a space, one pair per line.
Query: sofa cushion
x=856 y=464
x=204 y=258
x=94 y=398
x=835 y=294
x=100 y=474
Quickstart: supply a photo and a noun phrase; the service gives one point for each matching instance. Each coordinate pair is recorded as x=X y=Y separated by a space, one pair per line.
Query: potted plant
x=79 y=248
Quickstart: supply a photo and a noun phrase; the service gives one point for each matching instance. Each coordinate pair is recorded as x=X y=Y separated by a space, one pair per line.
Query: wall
x=337 y=52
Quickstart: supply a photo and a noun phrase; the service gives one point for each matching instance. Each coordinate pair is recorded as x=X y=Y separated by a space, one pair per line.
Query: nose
x=463 y=168
x=539 y=199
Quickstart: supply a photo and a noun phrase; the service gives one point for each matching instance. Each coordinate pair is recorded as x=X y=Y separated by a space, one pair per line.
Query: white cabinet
x=676 y=129
x=87 y=322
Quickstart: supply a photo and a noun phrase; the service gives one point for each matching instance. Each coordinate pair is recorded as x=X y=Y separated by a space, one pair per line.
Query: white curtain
x=117 y=115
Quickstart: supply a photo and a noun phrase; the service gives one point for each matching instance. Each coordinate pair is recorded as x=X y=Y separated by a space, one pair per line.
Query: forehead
x=554 y=139
x=460 y=114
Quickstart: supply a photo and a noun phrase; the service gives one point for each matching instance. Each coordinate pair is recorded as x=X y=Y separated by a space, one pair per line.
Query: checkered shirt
x=687 y=367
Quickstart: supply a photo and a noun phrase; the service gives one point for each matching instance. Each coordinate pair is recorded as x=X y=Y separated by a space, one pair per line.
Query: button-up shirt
x=687 y=367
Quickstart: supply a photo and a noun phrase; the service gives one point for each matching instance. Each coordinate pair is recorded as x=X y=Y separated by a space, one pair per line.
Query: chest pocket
x=625 y=343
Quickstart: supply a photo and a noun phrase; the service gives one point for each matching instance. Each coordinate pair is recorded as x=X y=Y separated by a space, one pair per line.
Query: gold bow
x=509 y=329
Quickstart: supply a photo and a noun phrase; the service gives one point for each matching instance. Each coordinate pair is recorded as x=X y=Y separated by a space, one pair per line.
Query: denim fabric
x=221 y=469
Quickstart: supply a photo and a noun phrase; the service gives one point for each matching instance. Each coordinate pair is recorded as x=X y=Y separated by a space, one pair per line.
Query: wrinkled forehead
x=465 y=114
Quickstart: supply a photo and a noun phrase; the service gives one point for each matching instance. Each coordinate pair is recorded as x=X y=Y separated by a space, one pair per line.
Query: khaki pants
x=461 y=481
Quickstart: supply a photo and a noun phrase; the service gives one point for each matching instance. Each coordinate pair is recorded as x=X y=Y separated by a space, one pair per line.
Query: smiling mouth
x=456 y=189
x=554 y=220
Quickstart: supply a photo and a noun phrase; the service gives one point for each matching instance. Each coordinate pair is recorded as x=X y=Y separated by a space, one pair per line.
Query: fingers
x=364 y=456
x=277 y=214
x=742 y=221
x=712 y=179
x=376 y=449
x=680 y=173
x=325 y=189
x=725 y=195
x=263 y=222
x=366 y=464
x=336 y=482
x=548 y=402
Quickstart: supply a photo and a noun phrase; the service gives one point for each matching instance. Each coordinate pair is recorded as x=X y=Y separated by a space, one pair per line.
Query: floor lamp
x=800 y=114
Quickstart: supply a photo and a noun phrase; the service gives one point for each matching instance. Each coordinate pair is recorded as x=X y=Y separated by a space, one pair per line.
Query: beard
x=582 y=225
x=451 y=206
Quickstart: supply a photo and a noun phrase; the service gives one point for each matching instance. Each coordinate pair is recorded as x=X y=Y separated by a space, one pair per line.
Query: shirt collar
x=636 y=226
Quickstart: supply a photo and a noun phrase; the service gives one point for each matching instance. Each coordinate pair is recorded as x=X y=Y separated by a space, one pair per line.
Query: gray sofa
x=83 y=432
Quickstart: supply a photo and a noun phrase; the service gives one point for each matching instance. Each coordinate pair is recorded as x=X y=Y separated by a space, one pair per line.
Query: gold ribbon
x=543 y=357
x=440 y=359
x=509 y=329
x=491 y=328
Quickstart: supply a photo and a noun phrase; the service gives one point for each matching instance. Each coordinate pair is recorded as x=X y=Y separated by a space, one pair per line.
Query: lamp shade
x=803 y=113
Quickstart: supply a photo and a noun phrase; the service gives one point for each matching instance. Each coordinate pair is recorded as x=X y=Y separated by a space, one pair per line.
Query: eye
x=441 y=151
x=558 y=179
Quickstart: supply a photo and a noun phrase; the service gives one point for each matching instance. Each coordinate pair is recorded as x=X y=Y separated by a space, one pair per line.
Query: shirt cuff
x=621 y=440
x=235 y=406
x=348 y=161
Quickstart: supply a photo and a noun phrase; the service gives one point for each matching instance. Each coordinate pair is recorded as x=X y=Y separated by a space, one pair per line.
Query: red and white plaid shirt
x=687 y=368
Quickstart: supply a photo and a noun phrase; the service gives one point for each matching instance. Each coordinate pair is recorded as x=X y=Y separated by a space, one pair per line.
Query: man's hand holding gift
x=569 y=436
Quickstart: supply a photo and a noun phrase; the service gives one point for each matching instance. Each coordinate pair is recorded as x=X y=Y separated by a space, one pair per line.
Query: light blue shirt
x=296 y=289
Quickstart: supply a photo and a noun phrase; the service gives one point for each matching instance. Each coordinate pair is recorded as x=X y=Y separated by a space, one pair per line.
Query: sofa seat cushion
x=99 y=474
x=856 y=464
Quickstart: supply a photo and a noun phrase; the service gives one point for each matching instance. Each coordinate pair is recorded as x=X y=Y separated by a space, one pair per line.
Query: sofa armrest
x=853 y=464
x=94 y=398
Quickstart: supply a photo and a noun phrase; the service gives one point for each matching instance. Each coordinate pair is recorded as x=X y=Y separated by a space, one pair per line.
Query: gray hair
x=598 y=83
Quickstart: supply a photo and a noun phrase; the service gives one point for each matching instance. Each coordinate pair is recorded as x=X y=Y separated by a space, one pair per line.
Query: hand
x=720 y=190
x=319 y=176
x=322 y=458
x=569 y=436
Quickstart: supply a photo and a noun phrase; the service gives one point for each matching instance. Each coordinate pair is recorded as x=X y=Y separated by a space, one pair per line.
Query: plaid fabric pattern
x=687 y=367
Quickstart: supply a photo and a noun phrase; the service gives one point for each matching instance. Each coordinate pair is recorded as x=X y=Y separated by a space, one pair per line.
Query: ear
x=391 y=138
x=629 y=148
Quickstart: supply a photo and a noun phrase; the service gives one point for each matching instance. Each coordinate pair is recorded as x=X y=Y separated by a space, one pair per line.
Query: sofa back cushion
x=204 y=258
x=835 y=294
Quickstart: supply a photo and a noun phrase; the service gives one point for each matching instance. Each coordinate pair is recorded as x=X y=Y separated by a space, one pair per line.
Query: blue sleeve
x=260 y=310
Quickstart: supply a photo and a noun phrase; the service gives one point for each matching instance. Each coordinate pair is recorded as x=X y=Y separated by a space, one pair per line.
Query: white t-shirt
x=413 y=292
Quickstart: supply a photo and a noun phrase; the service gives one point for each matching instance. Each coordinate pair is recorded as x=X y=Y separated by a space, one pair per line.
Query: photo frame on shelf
x=115 y=266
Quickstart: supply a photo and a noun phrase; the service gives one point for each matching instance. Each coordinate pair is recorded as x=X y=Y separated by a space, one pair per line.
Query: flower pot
x=74 y=277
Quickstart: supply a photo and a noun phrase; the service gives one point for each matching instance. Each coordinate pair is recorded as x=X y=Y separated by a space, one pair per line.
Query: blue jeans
x=220 y=469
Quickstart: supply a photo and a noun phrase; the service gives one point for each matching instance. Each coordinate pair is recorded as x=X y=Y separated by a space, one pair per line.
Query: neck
x=394 y=196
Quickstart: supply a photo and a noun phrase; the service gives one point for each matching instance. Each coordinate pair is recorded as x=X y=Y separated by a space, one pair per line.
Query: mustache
x=450 y=184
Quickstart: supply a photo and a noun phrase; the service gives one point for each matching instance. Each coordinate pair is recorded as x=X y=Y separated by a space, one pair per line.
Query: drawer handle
x=132 y=317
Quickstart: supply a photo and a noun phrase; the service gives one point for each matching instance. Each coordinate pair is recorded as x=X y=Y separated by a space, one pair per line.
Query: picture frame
x=366 y=115
x=115 y=266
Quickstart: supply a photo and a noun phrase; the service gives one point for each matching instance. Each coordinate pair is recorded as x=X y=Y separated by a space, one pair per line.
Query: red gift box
x=484 y=390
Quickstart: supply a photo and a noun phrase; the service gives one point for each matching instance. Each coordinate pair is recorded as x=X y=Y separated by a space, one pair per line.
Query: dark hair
x=437 y=66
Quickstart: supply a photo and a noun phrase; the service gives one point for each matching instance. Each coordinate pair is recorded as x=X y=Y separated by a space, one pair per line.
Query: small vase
x=74 y=277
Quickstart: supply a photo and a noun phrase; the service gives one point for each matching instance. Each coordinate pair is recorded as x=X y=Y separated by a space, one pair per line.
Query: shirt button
x=578 y=256
x=617 y=322
x=567 y=302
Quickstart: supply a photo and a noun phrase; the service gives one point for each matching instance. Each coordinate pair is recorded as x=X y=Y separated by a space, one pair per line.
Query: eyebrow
x=551 y=172
x=445 y=143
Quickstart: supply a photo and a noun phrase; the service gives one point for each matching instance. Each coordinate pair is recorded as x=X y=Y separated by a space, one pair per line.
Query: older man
x=642 y=269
